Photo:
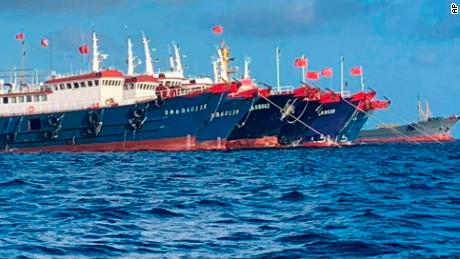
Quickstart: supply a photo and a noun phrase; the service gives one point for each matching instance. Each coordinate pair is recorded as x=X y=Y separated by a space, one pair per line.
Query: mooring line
x=301 y=122
x=405 y=137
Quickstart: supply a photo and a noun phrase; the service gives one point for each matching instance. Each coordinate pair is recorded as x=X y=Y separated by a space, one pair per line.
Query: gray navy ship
x=427 y=129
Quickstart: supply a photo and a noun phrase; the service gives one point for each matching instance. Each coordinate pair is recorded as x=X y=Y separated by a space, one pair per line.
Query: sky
x=407 y=48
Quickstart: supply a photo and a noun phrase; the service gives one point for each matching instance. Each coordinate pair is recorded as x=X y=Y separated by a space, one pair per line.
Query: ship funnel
x=148 y=56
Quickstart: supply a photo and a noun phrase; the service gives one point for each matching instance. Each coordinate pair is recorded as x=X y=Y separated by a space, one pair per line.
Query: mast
x=362 y=78
x=148 y=56
x=247 y=70
x=421 y=113
x=130 y=60
x=342 y=86
x=215 y=69
x=178 y=68
x=223 y=61
x=95 y=59
x=171 y=60
x=278 y=53
x=428 y=113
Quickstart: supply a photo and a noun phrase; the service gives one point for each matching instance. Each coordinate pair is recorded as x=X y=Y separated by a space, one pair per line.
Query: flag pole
x=278 y=68
x=362 y=78
x=303 y=70
x=23 y=61
x=341 y=75
x=330 y=82
x=82 y=43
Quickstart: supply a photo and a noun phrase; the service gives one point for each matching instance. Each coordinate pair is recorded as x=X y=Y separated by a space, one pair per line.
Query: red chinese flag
x=20 y=36
x=84 y=50
x=327 y=72
x=45 y=43
x=218 y=29
x=312 y=75
x=301 y=62
x=356 y=71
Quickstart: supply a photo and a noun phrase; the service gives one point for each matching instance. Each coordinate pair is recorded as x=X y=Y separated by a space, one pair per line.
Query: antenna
x=148 y=56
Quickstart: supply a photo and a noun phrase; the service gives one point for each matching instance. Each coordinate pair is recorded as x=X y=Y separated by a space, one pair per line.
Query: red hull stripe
x=172 y=144
x=319 y=144
x=433 y=138
x=212 y=145
x=265 y=142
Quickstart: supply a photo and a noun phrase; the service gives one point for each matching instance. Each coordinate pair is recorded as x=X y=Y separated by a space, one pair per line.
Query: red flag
x=218 y=29
x=20 y=36
x=45 y=43
x=356 y=71
x=313 y=75
x=301 y=62
x=327 y=72
x=84 y=50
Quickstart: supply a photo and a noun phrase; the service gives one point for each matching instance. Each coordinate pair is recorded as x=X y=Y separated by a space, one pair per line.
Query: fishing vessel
x=275 y=109
x=427 y=129
x=231 y=108
x=105 y=110
x=361 y=115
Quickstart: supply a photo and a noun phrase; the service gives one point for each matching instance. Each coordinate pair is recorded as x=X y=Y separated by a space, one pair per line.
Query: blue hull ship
x=165 y=125
x=215 y=132
x=261 y=125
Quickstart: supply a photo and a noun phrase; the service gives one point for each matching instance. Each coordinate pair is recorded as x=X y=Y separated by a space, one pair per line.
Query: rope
x=301 y=122
x=247 y=114
x=301 y=114
x=405 y=137
x=217 y=107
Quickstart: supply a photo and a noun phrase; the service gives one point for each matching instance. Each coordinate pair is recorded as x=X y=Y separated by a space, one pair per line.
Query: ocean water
x=384 y=201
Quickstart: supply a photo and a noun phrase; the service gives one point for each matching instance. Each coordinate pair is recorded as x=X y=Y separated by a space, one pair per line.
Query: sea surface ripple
x=367 y=201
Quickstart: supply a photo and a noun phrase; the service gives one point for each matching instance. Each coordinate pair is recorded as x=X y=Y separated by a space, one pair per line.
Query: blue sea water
x=368 y=201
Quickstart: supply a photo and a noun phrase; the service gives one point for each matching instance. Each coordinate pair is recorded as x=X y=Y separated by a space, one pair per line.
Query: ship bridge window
x=96 y=82
x=75 y=85
x=5 y=100
x=43 y=98
x=20 y=99
x=35 y=124
x=29 y=98
x=90 y=83
x=132 y=86
x=13 y=99
x=69 y=86
x=62 y=86
x=36 y=98
x=56 y=87
x=82 y=84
